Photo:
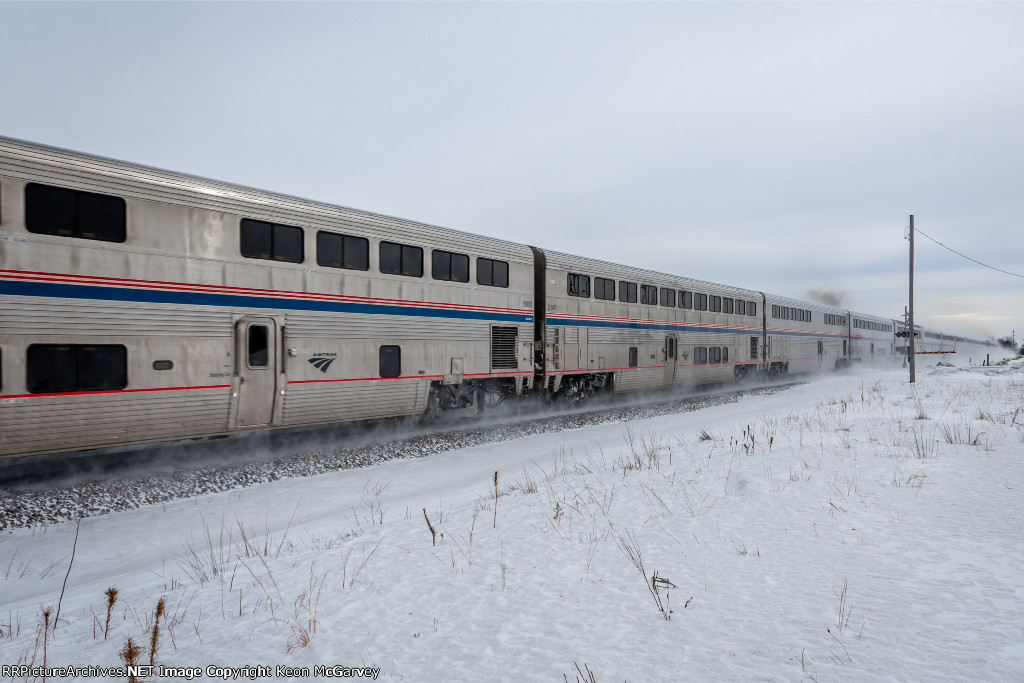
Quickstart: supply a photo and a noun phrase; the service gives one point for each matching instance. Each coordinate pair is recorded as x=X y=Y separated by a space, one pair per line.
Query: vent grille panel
x=503 y=348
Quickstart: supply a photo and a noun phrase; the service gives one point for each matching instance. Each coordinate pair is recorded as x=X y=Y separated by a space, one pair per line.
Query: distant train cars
x=140 y=305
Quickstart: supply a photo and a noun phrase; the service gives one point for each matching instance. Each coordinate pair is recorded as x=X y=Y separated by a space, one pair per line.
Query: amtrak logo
x=323 y=361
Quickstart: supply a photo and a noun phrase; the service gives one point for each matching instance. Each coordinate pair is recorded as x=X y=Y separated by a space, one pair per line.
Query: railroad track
x=52 y=489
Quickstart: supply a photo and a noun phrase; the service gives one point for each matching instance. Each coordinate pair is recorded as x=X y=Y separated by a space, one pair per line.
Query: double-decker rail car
x=141 y=305
x=804 y=337
x=608 y=325
x=872 y=338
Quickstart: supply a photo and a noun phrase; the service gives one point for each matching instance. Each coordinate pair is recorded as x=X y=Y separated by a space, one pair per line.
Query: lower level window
x=700 y=355
x=390 y=361
x=58 y=368
x=633 y=357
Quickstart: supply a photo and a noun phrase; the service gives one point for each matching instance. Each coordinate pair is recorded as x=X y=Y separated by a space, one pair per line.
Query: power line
x=965 y=256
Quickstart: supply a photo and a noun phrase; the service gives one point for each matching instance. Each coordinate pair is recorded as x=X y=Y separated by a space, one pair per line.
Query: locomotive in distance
x=140 y=305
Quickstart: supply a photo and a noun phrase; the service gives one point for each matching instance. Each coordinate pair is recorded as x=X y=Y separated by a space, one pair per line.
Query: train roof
x=589 y=266
x=43 y=163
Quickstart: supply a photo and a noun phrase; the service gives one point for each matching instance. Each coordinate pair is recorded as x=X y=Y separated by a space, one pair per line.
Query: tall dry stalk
x=433 y=532
x=130 y=656
x=154 y=638
x=495 y=525
x=46 y=636
x=78 y=526
x=111 y=599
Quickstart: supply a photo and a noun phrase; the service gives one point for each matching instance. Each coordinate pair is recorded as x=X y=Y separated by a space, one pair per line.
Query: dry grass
x=306 y=606
x=630 y=547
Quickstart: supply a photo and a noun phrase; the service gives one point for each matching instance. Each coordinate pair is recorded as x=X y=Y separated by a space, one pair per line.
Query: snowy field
x=854 y=528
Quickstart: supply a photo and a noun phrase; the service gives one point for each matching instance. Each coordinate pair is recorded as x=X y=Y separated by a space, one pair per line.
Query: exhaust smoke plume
x=829 y=297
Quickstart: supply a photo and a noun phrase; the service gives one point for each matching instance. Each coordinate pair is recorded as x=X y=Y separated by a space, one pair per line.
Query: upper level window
x=627 y=292
x=342 y=251
x=604 y=289
x=492 y=273
x=741 y=307
x=715 y=304
x=401 y=259
x=648 y=294
x=776 y=311
x=727 y=305
x=59 y=368
x=446 y=265
x=259 y=239
x=74 y=213
x=685 y=299
x=579 y=285
x=700 y=302
x=668 y=297
x=751 y=308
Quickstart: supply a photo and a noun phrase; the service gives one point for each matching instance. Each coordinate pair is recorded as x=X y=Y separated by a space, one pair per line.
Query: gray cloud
x=772 y=146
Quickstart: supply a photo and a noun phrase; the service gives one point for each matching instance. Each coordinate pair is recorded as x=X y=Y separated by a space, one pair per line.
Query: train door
x=256 y=340
x=670 y=359
x=584 y=361
x=821 y=351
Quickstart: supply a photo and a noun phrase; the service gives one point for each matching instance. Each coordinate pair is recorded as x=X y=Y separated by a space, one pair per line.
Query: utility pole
x=913 y=378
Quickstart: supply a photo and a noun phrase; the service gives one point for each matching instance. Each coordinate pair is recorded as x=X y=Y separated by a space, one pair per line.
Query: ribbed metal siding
x=342 y=401
x=46 y=424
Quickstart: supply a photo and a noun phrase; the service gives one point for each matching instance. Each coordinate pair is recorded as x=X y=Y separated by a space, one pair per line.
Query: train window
x=390 y=361
x=715 y=354
x=700 y=302
x=685 y=299
x=259 y=239
x=649 y=295
x=751 y=308
x=776 y=313
x=492 y=273
x=627 y=292
x=700 y=355
x=73 y=213
x=727 y=305
x=725 y=354
x=449 y=266
x=604 y=289
x=257 y=346
x=58 y=368
x=401 y=259
x=163 y=364
x=716 y=304
x=633 y=357
x=579 y=285
x=668 y=297
x=741 y=307
x=342 y=251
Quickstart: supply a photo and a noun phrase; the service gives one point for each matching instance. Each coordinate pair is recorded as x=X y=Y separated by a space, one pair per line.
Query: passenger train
x=139 y=305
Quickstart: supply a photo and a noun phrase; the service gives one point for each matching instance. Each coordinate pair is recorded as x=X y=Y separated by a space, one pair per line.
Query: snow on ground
x=854 y=528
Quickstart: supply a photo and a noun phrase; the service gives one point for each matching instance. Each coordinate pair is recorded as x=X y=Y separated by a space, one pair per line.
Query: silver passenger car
x=141 y=305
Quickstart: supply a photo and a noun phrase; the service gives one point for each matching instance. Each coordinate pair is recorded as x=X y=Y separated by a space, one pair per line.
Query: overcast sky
x=778 y=147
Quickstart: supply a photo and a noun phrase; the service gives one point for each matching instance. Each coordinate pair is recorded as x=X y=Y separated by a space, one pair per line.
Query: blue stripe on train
x=156 y=296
